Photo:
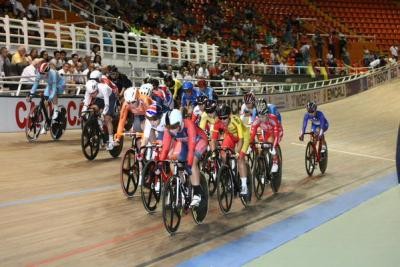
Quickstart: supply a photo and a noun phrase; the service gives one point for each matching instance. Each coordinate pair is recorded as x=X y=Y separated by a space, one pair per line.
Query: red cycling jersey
x=270 y=127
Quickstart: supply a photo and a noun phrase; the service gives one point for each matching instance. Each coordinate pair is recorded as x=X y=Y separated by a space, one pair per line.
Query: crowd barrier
x=14 y=109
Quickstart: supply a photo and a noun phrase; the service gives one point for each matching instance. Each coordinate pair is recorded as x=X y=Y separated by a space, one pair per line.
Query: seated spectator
x=97 y=61
x=79 y=77
x=74 y=60
x=29 y=73
x=20 y=56
x=57 y=57
x=44 y=55
x=63 y=57
x=202 y=72
x=95 y=52
x=65 y=71
x=33 y=11
x=32 y=55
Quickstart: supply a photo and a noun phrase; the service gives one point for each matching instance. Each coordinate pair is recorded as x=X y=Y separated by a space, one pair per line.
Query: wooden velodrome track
x=58 y=209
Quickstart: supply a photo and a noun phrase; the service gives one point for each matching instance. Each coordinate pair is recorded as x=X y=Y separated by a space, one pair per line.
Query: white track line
x=350 y=153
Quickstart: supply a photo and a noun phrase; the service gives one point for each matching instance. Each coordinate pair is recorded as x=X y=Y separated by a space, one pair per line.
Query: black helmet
x=224 y=111
x=211 y=106
x=311 y=107
x=262 y=107
x=168 y=80
x=154 y=82
x=201 y=100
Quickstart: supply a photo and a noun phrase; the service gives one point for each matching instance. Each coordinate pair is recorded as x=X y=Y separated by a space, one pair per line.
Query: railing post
x=101 y=43
x=148 y=48
x=58 y=36
x=73 y=37
x=87 y=39
x=126 y=42
x=7 y=31
x=197 y=52
x=189 y=52
x=42 y=35
x=178 y=47
x=139 y=48
x=159 y=49
x=205 y=51
x=214 y=53
x=114 y=44
x=25 y=31
x=169 y=50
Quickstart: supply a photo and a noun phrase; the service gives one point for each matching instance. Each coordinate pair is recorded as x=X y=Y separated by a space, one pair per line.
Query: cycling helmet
x=44 y=68
x=202 y=83
x=146 y=89
x=154 y=112
x=201 y=100
x=187 y=86
x=168 y=78
x=173 y=119
x=211 y=106
x=95 y=75
x=224 y=111
x=131 y=94
x=311 y=107
x=262 y=107
x=249 y=98
x=154 y=82
x=91 y=86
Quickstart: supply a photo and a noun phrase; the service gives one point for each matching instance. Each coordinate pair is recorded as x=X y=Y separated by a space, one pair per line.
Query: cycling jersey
x=55 y=84
x=317 y=121
x=196 y=115
x=106 y=96
x=190 y=100
x=272 y=109
x=144 y=102
x=159 y=129
x=161 y=99
x=190 y=141
x=235 y=131
x=208 y=92
x=104 y=79
x=177 y=87
x=247 y=115
x=272 y=127
x=206 y=120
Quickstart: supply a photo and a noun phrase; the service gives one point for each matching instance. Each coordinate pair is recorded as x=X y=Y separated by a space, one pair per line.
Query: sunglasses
x=223 y=118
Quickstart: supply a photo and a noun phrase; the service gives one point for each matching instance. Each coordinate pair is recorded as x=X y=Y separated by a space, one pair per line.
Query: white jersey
x=159 y=129
x=104 y=93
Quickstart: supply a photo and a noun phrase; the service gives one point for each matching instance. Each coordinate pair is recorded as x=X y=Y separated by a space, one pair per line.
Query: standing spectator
x=318 y=45
x=44 y=55
x=305 y=51
x=331 y=43
x=32 y=55
x=95 y=52
x=33 y=11
x=97 y=61
x=202 y=72
x=18 y=8
x=342 y=45
x=19 y=56
x=239 y=54
x=394 y=51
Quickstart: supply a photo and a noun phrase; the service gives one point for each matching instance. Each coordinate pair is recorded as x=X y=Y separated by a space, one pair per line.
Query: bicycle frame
x=314 y=141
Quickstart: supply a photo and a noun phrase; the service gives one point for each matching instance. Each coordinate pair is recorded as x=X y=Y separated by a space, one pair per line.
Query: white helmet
x=146 y=89
x=95 y=75
x=130 y=94
x=174 y=119
x=91 y=86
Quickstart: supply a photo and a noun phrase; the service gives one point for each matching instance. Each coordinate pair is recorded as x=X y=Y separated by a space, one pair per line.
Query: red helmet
x=249 y=98
x=202 y=83
x=44 y=68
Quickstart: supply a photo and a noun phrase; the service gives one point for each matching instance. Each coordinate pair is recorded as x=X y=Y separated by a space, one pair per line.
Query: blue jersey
x=190 y=100
x=317 y=121
x=208 y=92
x=55 y=84
x=272 y=109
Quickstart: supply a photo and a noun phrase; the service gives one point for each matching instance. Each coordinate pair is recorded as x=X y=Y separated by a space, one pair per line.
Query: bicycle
x=130 y=169
x=229 y=183
x=262 y=174
x=95 y=135
x=314 y=156
x=38 y=118
x=177 y=196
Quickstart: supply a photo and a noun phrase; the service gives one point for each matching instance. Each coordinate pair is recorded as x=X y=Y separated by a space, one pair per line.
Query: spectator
x=18 y=9
x=394 y=51
x=30 y=72
x=86 y=62
x=97 y=61
x=305 y=51
x=59 y=62
x=63 y=58
x=203 y=71
x=74 y=60
x=45 y=56
x=33 y=11
x=65 y=71
x=215 y=72
x=32 y=55
x=79 y=77
x=4 y=60
x=19 y=56
x=95 y=52
x=88 y=70
x=318 y=44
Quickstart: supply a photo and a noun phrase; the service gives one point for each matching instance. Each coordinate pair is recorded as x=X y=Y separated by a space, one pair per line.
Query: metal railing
x=119 y=48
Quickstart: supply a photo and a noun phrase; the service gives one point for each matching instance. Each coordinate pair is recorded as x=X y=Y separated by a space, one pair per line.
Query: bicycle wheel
x=323 y=163
x=259 y=176
x=150 y=187
x=171 y=210
x=57 y=127
x=33 y=125
x=200 y=213
x=209 y=171
x=276 y=177
x=225 y=189
x=116 y=151
x=90 y=140
x=247 y=199
x=250 y=158
x=129 y=175
x=310 y=159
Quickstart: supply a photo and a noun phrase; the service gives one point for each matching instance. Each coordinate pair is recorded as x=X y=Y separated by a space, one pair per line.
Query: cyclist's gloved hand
x=272 y=151
x=301 y=137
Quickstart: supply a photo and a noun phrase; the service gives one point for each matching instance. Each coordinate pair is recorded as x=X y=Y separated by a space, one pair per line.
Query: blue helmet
x=187 y=86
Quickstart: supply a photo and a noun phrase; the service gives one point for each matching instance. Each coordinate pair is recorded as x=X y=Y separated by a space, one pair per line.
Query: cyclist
x=154 y=125
x=175 y=86
x=271 y=131
x=199 y=109
x=55 y=85
x=207 y=119
x=248 y=111
x=189 y=97
x=104 y=99
x=206 y=90
x=161 y=95
x=235 y=134
x=184 y=141
x=319 y=124
x=136 y=102
x=272 y=109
